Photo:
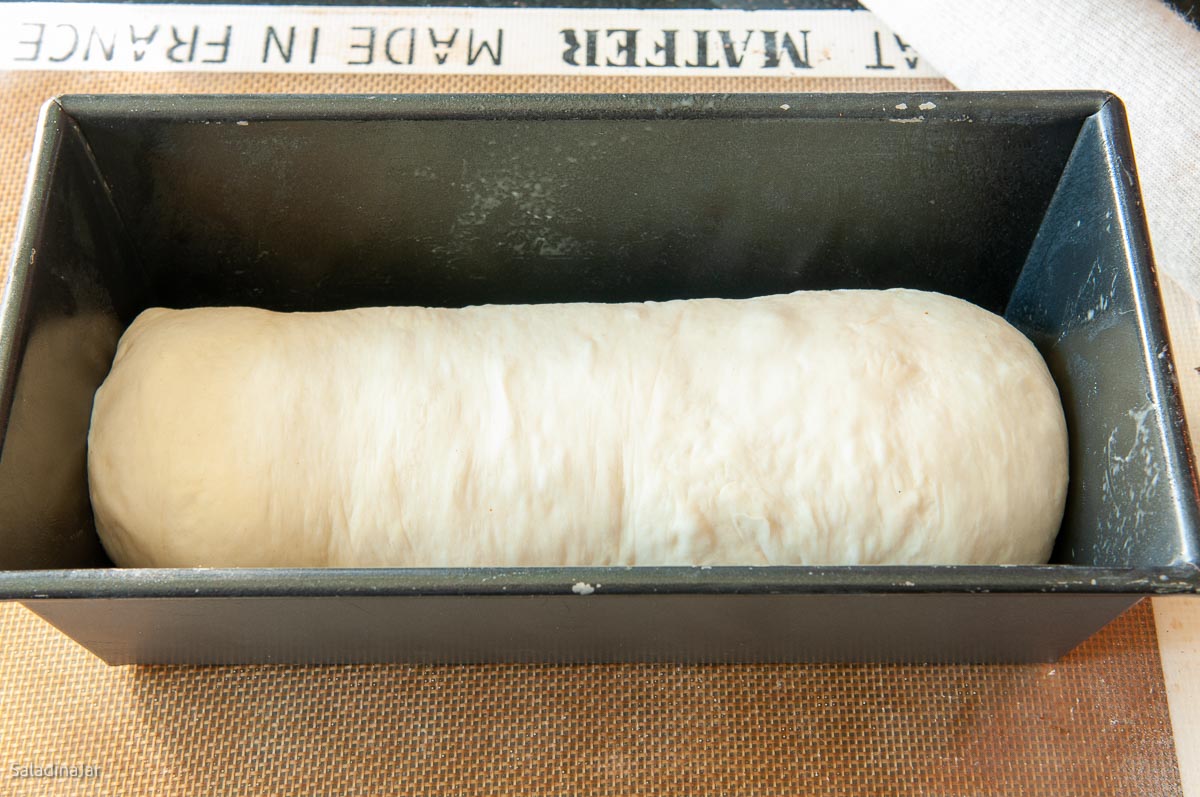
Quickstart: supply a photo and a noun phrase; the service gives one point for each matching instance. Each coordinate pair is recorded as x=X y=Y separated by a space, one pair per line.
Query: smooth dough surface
x=823 y=427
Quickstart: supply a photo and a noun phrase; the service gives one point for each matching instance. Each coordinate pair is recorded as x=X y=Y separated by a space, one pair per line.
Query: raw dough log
x=826 y=427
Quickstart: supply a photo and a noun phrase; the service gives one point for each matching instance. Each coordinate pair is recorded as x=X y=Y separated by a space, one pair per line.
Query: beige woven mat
x=1095 y=723
x=1092 y=724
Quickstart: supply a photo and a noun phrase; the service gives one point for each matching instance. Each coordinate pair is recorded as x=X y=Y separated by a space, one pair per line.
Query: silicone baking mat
x=1094 y=723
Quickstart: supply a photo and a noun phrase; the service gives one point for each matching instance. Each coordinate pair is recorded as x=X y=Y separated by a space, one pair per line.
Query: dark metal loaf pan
x=1026 y=204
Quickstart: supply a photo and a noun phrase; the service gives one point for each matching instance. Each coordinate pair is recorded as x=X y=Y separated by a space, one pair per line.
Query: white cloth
x=1140 y=50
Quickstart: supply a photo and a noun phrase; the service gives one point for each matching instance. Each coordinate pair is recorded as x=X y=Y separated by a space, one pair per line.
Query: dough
x=824 y=427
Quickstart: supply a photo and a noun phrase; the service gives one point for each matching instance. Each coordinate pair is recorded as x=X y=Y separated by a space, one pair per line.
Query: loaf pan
x=1024 y=203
